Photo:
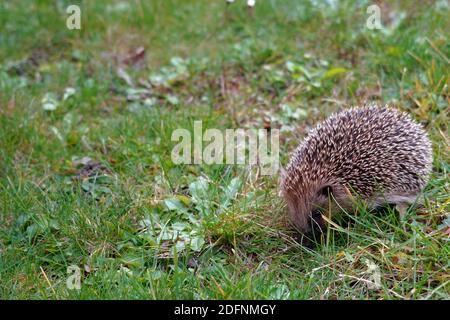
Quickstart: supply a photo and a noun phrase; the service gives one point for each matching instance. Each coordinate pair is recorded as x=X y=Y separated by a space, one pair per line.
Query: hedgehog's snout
x=317 y=223
x=316 y=215
x=315 y=229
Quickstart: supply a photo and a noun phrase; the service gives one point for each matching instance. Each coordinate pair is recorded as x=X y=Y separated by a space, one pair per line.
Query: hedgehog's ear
x=326 y=191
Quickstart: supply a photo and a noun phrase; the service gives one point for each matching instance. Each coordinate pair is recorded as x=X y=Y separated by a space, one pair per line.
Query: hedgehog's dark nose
x=316 y=215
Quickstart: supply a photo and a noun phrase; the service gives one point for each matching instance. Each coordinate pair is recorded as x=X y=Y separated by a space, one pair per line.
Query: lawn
x=88 y=186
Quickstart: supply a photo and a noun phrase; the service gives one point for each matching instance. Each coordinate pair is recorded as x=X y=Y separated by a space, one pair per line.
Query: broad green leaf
x=230 y=192
x=197 y=243
x=185 y=200
x=333 y=72
x=175 y=205
x=199 y=190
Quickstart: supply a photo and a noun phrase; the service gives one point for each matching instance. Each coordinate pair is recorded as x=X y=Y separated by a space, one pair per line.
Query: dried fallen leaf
x=447 y=231
x=135 y=57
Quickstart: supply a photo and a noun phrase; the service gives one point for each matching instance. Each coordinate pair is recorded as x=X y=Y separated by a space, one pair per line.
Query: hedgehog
x=374 y=153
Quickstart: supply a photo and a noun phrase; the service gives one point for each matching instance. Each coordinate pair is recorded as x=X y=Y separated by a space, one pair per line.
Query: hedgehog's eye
x=325 y=191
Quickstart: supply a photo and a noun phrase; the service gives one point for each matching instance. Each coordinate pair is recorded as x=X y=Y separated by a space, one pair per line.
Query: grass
x=139 y=226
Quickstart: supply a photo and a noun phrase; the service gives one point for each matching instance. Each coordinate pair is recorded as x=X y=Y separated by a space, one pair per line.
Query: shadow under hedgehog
x=375 y=153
